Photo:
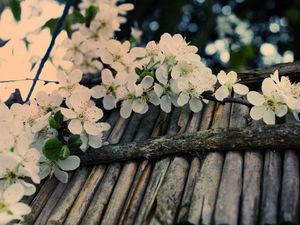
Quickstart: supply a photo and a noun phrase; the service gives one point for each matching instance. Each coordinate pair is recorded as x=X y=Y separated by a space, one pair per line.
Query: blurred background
x=230 y=34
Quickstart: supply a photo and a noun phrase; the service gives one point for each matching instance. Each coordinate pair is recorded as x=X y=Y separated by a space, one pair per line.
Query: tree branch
x=51 y=45
x=210 y=97
x=284 y=136
x=29 y=79
x=254 y=77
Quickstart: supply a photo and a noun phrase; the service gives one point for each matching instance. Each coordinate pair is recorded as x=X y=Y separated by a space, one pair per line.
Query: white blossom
x=228 y=83
x=83 y=114
x=10 y=206
x=290 y=92
x=68 y=83
x=59 y=168
x=49 y=102
x=111 y=89
x=268 y=104
x=175 y=48
x=76 y=48
x=137 y=98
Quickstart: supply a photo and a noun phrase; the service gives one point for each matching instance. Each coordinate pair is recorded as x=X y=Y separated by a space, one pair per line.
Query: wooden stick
x=284 y=136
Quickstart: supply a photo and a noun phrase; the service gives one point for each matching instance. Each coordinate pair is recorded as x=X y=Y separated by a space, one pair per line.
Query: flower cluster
x=278 y=96
x=38 y=138
x=165 y=73
x=86 y=42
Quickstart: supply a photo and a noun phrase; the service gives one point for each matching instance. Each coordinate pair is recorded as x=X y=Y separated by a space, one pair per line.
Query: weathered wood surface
x=158 y=174
x=169 y=196
x=206 y=187
x=283 y=136
x=252 y=177
x=40 y=199
x=290 y=191
x=271 y=187
x=75 y=185
x=254 y=77
x=260 y=187
x=102 y=196
x=142 y=175
x=227 y=206
x=181 y=189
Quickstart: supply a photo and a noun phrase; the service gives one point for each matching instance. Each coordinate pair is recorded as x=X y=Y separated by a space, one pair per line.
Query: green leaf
x=90 y=14
x=56 y=120
x=51 y=25
x=52 y=149
x=53 y=123
x=64 y=152
x=75 y=17
x=138 y=71
x=58 y=116
x=74 y=142
x=15 y=6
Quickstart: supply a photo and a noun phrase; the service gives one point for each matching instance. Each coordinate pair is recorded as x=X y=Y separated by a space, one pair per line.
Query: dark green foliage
x=64 y=152
x=56 y=121
x=52 y=149
x=74 y=142
x=73 y=18
x=15 y=6
x=55 y=150
x=90 y=14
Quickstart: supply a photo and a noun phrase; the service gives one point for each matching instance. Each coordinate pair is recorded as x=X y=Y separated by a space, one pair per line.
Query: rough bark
x=254 y=77
x=284 y=136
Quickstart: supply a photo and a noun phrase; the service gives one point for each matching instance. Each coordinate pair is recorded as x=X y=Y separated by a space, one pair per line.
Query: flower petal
x=13 y=193
x=222 y=77
x=269 y=117
x=158 y=89
x=76 y=76
x=162 y=74
x=257 y=112
x=221 y=93
x=281 y=110
x=91 y=128
x=255 y=98
x=62 y=176
x=126 y=109
x=94 y=113
x=107 y=77
x=183 y=98
x=196 y=104
x=20 y=209
x=68 y=113
x=109 y=102
x=138 y=105
x=75 y=126
x=29 y=189
x=147 y=82
x=240 y=89
x=166 y=104
x=268 y=86
x=99 y=91
x=71 y=163
x=95 y=141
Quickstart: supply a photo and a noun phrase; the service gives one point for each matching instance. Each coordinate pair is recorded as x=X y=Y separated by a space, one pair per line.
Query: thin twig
x=51 y=45
x=210 y=97
x=29 y=79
